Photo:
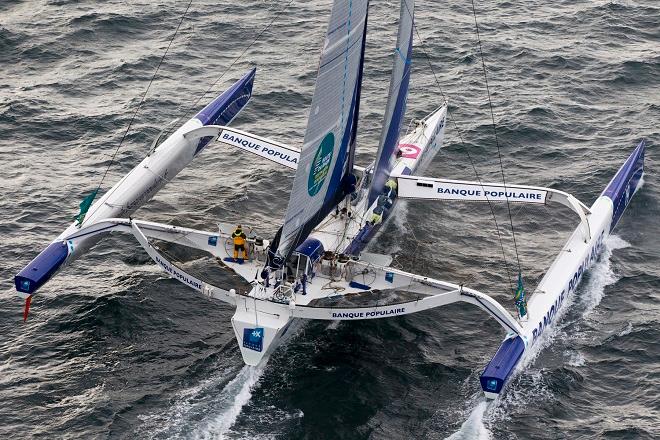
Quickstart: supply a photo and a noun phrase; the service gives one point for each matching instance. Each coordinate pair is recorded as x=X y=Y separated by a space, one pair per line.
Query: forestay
x=326 y=155
x=396 y=100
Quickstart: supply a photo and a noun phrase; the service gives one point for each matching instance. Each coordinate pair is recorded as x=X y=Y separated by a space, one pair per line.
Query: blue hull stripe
x=501 y=366
x=225 y=107
x=624 y=184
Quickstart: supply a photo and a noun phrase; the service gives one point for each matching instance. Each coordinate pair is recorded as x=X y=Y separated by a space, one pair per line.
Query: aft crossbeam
x=432 y=293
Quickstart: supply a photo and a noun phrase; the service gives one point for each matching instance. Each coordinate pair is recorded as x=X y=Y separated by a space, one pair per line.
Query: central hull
x=260 y=325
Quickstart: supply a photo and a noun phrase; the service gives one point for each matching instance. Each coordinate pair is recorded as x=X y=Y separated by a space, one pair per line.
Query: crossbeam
x=429 y=188
x=259 y=145
x=432 y=293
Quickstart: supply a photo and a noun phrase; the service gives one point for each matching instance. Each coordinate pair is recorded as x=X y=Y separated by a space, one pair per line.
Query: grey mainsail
x=325 y=162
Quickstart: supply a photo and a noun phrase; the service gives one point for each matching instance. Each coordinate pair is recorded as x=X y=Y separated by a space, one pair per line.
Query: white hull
x=335 y=232
x=163 y=163
x=564 y=275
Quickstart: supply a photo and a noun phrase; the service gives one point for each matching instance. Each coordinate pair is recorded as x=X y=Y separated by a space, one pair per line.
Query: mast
x=396 y=99
x=323 y=175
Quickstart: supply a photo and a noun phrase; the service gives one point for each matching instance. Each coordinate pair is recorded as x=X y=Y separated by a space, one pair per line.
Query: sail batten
x=396 y=100
x=341 y=41
x=328 y=146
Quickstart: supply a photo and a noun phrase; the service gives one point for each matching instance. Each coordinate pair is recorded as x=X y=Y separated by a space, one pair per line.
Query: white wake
x=203 y=411
x=235 y=395
x=474 y=427
x=591 y=294
x=601 y=275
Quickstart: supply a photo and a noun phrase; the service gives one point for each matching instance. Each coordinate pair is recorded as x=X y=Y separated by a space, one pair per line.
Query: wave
x=203 y=412
x=601 y=275
x=532 y=386
x=474 y=427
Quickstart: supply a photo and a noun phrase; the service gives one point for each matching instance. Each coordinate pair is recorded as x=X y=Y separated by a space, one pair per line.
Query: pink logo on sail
x=409 y=151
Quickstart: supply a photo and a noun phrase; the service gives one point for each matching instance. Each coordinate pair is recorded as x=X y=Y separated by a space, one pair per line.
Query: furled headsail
x=396 y=100
x=323 y=177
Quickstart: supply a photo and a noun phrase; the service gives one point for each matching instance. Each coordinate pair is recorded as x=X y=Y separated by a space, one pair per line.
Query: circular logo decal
x=321 y=164
x=409 y=151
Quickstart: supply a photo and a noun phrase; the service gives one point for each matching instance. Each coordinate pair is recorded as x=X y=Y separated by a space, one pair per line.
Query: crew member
x=384 y=201
x=390 y=188
x=377 y=215
x=239 y=238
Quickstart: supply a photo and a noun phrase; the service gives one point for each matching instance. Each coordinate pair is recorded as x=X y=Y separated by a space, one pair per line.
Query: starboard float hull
x=137 y=187
x=565 y=274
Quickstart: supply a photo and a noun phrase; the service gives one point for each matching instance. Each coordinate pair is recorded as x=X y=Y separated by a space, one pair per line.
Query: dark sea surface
x=115 y=349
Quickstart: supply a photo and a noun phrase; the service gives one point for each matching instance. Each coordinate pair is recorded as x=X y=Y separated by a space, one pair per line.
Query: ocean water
x=115 y=349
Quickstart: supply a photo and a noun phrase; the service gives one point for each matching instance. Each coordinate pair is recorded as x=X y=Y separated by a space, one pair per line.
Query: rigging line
x=114 y=155
x=460 y=135
x=194 y=105
x=492 y=116
x=198 y=99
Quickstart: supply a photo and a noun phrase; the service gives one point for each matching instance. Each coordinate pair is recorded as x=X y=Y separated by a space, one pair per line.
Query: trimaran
x=315 y=267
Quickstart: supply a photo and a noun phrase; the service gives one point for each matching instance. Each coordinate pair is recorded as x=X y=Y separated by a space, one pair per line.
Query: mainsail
x=324 y=169
x=396 y=101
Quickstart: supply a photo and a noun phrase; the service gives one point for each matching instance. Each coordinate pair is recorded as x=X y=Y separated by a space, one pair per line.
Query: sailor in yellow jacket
x=390 y=188
x=239 y=238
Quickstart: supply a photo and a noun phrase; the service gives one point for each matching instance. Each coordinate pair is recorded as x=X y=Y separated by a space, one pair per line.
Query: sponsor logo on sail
x=321 y=164
x=409 y=151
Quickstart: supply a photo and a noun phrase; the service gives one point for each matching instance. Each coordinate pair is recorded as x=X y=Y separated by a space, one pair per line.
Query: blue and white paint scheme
x=326 y=156
x=565 y=274
x=336 y=210
x=137 y=187
x=397 y=99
